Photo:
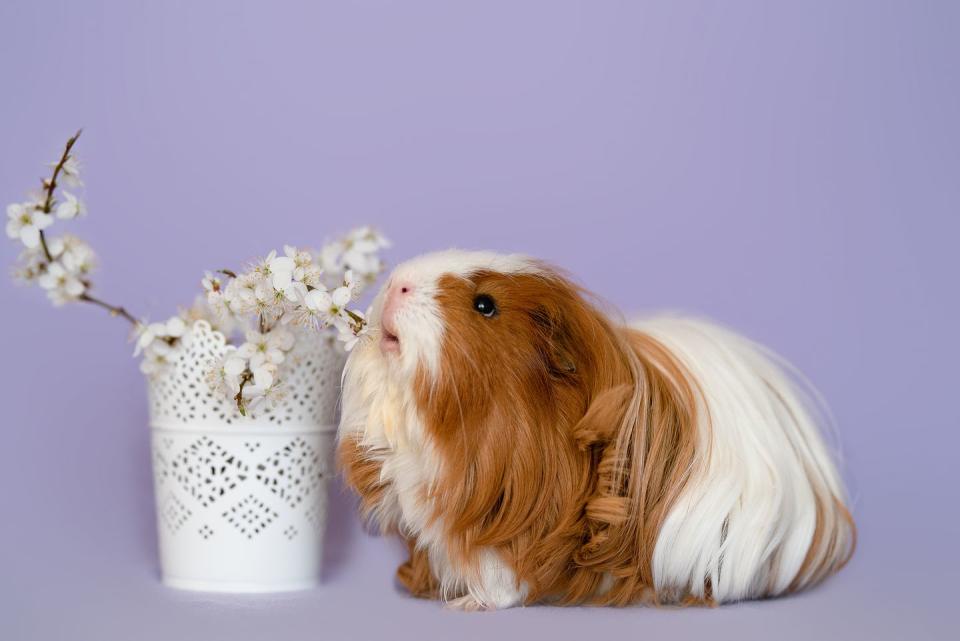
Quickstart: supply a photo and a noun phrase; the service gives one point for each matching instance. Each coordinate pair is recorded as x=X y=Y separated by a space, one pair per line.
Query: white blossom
x=158 y=336
x=240 y=293
x=264 y=374
x=300 y=257
x=211 y=283
x=270 y=347
x=146 y=335
x=311 y=276
x=234 y=367
x=263 y=269
x=267 y=304
x=329 y=308
x=155 y=361
x=318 y=303
x=259 y=375
x=217 y=379
x=287 y=290
x=77 y=256
x=25 y=221
x=331 y=257
x=55 y=246
x=307 y=314
x=71 y=207
x=280 y=266
x=70 y=172
x=274 y=393
x=218 y=304
x=348 y=338
x=62 y=285
x=223 y=307
x=367 y=239
x=361 y=251
x=201 y=309
x=31 y=265
x=305 y=271
x=341 y=297
x=357 y=252
x=353 y=285
x=175 y=327
x=159 y=343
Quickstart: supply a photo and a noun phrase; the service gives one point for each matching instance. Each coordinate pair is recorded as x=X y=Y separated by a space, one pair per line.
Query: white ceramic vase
x=241 y=501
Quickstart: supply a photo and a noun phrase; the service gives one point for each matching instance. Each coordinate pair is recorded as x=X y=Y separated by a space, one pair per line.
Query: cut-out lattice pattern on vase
x=251 y=516
x=206 y=471
x=292 y=473
x=242 y=500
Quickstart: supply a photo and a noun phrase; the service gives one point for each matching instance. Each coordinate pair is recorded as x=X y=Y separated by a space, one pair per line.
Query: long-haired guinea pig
x=528 y=449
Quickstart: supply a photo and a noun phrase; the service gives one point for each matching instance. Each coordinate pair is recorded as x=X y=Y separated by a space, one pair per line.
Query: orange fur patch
x=361 y=472
x=415 y=574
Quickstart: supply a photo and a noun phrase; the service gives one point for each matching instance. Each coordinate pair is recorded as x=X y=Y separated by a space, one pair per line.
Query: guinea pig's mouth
x=389 y=342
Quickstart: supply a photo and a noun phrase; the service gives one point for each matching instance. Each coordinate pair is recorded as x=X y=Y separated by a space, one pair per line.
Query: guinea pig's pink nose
x=397 y=294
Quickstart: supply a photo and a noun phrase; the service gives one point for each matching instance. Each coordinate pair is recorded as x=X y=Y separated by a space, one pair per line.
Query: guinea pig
x=529 y=449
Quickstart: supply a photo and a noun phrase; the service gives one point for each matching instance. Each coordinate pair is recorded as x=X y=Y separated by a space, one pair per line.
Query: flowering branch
x=264 y=303
x=62 y=265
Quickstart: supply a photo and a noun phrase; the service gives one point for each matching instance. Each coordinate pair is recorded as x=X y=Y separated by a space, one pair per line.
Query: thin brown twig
x=114 y=310
x=244 y=379
x=50 y=186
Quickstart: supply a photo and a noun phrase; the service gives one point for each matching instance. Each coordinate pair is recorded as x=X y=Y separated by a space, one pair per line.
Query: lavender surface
x=792 y=171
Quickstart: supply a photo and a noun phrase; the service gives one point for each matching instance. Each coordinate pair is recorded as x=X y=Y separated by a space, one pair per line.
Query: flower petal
x=56 y=246
x=66 y=211
x=263 y=377
x=341 y=296
x=175 y=327
x=42 y=220
x=234 y=366
x=74 y=287
x=30 y=236
x=281 y=339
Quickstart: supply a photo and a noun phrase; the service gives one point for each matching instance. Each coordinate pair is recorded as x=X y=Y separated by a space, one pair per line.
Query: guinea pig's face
x=434 y=298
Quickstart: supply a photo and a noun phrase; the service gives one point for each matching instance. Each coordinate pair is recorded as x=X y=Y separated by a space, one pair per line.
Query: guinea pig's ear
x=558 y=341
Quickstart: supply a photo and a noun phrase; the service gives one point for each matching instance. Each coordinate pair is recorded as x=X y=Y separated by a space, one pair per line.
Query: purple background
x=793 y=171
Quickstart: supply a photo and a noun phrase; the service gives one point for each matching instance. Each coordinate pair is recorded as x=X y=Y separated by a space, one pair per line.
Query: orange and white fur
x=529 y=449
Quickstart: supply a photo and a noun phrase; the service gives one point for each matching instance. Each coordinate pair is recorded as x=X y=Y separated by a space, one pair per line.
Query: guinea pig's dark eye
x=485 y=305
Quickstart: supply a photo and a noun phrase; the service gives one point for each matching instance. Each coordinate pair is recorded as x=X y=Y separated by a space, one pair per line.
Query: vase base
x=237 y=587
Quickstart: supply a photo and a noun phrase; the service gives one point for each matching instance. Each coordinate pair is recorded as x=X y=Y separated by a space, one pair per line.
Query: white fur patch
x=747 y=516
